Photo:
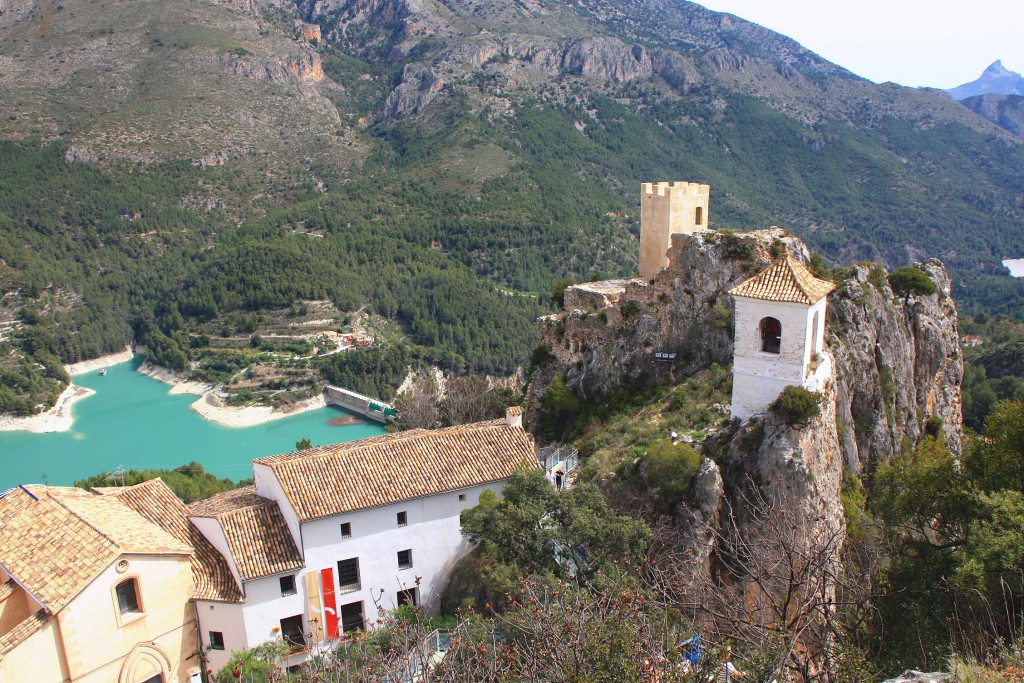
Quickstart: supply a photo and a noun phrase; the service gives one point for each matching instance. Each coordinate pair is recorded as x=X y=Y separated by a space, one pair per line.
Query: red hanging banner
x=330 y=607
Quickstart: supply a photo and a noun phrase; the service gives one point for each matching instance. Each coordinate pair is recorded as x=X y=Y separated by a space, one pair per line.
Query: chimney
x=514 y=416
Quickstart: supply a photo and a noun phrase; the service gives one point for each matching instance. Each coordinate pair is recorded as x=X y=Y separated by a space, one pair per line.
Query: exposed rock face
x=310 y=32
x=612 y=332
x=419 y=86
x=303 y=68
x=1006 y=111
x=898 y=365
x=80 y=155
x=898 y=362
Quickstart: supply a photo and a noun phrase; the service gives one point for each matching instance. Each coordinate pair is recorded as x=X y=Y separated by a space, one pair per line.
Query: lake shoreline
x=56 y=419
x=59 y=418
x=100 y=363
x=210 y=405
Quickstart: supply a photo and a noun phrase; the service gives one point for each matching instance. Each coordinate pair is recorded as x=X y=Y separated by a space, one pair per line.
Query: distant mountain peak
x=996 y=79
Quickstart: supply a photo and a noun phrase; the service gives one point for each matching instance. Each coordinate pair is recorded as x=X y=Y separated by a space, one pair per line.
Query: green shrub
x=910 y=280
x=797 y=404
x=671 y=467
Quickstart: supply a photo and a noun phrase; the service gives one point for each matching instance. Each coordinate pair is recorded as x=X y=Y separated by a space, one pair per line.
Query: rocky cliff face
x=899 y=365
x=1006 y=111
x=898 y=361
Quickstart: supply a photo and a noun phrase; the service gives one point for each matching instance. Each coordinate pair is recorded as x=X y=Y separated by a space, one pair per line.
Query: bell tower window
x=771 y=335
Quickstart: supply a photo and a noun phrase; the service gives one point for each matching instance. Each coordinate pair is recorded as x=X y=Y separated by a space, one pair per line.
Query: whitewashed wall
x=758 y=376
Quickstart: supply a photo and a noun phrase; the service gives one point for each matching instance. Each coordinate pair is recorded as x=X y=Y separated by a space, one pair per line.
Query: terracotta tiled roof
x=156 y=502
x=330 y=480
x=257 y=535
x=55 y=544
x=17 y=635
x=786 y=279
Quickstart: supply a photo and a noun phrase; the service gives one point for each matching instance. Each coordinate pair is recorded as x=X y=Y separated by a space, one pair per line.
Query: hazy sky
x=938 y=43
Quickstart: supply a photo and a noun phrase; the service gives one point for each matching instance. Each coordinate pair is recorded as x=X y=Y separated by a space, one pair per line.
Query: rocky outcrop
x=80 y=155
x=898 y=361
x=307 y=31
x=419 y=87
x=899 y=365
x=619 y=333
x=302 y=68
x=1006 y=111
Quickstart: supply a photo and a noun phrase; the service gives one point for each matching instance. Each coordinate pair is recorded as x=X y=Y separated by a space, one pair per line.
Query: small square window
x=348 y=575
x=352 y=617
x=216 y=640
x=288 y=585
x=462 y=497
x=410 y=596
x=128 y=597
x=403 y=519
x=405 y=559
x=346 y=529
x=291 y=631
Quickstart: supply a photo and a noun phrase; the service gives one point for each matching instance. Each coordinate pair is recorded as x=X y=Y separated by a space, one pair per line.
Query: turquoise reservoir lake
x=133 y=422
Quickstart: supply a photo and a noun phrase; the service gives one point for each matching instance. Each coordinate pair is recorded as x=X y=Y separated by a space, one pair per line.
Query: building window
x=352 y=617
x=403 y=519
x=291 y=631
x=216 y=640
x=771 y=335
x=346 y=529
x=288 y=585
x=348 y=574
x=699 y=217
x=409 y=597
x=462 y=497
x=128 y=596
x=405 y=559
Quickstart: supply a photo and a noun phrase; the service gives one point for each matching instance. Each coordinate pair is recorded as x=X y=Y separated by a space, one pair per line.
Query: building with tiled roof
x=329 y=534
x=376 y=472
x=90 y=590
x=253 y=531
x=779 y=317
x=114 y=583
x=153 y=500
x=786 y=279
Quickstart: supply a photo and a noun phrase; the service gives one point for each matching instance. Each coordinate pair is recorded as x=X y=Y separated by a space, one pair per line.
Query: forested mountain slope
x=175 y=170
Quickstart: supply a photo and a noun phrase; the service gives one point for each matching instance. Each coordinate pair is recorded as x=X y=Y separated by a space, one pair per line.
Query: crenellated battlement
x=662 y=189
x=667 y=209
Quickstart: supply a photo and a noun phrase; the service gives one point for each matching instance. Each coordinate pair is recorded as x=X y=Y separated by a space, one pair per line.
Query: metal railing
x=553 y=456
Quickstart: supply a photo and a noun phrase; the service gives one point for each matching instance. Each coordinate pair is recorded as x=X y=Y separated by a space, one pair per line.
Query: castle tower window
x=771 y=335
x=699 y=217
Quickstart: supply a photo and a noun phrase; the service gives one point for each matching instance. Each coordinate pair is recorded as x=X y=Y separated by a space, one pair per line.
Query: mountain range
x=176 y=170
x=994 y=80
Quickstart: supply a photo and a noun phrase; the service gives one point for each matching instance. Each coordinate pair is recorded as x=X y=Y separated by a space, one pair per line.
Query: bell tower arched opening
x=771 y=335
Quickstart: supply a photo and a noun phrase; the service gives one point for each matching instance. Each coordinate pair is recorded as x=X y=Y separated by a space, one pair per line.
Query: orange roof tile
x=17 y=635
x=330 y=480
x=257 y=536
x=786 y=279
x=156 y=502
x=56 y=544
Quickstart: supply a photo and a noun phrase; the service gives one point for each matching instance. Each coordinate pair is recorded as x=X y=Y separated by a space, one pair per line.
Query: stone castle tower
x=779 y=333
x=665 y=210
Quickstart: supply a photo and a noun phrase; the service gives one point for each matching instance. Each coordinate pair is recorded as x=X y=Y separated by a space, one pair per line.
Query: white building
x=779 y=335
x=330 y=534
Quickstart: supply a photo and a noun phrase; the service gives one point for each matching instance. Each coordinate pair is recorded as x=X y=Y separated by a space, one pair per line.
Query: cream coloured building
x=91 y=591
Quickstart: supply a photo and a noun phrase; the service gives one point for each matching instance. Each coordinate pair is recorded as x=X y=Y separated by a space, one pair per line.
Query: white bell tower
x=779 y=334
